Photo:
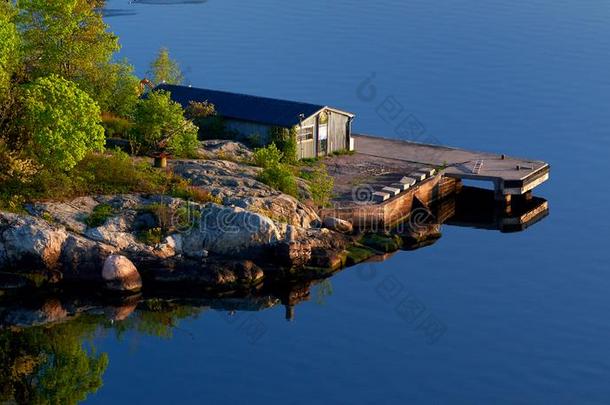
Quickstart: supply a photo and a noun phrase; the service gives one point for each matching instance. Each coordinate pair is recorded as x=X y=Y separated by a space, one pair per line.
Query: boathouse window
x=305 y=134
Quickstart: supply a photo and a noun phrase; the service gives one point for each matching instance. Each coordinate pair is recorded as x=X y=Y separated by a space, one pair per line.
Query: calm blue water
x=526 y=313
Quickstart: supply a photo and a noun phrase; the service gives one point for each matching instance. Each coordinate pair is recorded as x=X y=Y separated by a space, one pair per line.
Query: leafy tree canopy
x=9 y=45
x=63 y=120
x=160 y=122
x=65 y=37
x=165 y=70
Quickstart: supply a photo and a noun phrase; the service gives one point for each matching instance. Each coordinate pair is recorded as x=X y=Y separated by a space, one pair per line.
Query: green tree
x=165 y=70
x=160 y=123
x=67 y=38
x=286 y=141
x=117 y=88
x=9 y=46
x=63 y=120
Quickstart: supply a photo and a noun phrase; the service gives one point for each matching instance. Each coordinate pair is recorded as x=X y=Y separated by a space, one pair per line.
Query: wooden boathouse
x=320 y=129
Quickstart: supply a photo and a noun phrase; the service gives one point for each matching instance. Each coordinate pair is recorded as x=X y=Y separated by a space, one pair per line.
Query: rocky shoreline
x=248 y=233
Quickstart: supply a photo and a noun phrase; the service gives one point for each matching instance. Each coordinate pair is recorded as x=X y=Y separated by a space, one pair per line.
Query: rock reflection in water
x=46 y=350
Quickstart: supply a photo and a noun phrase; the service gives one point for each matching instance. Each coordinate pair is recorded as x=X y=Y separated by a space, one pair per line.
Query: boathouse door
x=323 y=134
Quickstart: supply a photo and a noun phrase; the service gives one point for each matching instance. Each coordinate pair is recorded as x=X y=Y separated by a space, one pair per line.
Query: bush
x=159 y=119
x=184 y=143
x=321 y=185
x=99 y=215
x=267 y=157
x=279 y=177
x=116 y=127
x=64 y=122
x=286 y=141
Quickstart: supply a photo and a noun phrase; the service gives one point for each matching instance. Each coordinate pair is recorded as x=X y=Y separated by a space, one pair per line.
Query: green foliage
x=275 y=173
x=117 y=90
x=14 y=166
x=183 y=189
x=198 y=109
x=116 y=127
x=158 y=118
x=184 y=143
x=286 y=141
x=111 y=173
x=269 y=156
x=279 y=177
x=67 y=38
x=64 y=122
x=381 y=243
x=321 y=185
x=100 y=214
x=165 y=70
x=151 y=237
x=9 y=45
x=50 y=365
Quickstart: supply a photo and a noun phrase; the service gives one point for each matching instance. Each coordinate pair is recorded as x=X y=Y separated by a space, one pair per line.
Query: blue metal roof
x=244 y=107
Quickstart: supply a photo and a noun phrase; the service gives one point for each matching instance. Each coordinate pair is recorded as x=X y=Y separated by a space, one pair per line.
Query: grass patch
x=381 y=243
x=358 y=254
x=99 y=215
x=151 y=236
x=113 y=172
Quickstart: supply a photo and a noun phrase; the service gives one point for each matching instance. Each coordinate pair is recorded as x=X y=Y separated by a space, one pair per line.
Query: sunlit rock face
x=230 y=231
x=236 y=185
x=338 y=225
x=29 y=241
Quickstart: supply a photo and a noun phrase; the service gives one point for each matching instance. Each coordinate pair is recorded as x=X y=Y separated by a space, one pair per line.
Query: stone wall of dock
x=377 y=216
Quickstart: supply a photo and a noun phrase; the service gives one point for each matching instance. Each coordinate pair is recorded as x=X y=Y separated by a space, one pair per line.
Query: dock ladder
x=477 y=167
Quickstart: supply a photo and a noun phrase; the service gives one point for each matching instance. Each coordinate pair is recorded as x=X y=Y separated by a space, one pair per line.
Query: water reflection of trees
x=50 y=364
x=47 y=352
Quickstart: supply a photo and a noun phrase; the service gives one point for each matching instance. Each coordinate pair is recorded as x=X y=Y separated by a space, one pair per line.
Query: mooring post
x=499 y=193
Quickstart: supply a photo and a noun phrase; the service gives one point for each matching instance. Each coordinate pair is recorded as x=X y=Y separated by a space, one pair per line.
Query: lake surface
x=525 y=315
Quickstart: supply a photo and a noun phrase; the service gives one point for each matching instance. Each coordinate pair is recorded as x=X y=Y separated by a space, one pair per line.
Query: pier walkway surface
x=511 y=176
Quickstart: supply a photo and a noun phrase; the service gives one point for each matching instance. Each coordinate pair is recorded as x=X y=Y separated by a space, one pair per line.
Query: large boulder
x=71 y=214
x=83 y=259
x=120 y=274
x=115 y=232
x=224 y=150
x=30 y=242
x=230 y=231
x=338 y=225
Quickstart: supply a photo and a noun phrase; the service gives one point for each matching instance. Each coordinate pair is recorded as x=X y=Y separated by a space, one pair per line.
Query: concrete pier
x=509 y=175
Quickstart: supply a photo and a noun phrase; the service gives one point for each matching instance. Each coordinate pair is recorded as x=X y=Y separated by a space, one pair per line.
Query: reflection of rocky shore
x=43 y=351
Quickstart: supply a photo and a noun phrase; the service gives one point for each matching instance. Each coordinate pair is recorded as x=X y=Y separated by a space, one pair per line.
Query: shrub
x=321 y=185
x=158 y=118
x=64 y=122
x=286 y=141
x=184 y=143
x=184 y=190
x=116 y=127
x=267 y=157
x=279 y=177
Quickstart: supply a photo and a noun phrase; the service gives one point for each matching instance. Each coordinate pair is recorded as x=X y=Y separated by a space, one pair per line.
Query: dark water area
x=519 y=317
